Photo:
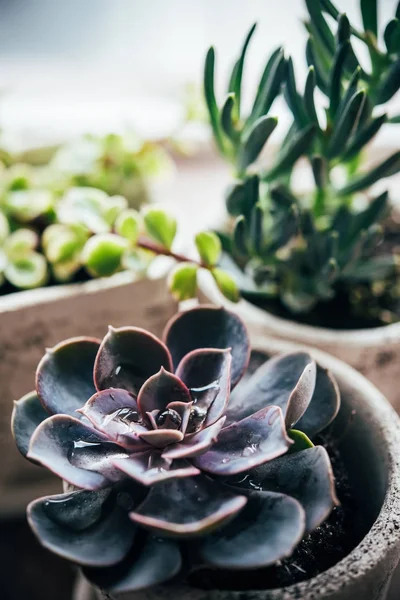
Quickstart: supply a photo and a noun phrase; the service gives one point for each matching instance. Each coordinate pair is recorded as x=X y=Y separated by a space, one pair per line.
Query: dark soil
x=326 y=546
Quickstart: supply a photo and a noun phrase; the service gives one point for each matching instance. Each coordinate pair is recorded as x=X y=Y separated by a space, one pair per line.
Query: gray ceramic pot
x=370 y=447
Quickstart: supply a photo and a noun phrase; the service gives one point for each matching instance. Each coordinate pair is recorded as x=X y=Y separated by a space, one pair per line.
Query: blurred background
x=70 y=67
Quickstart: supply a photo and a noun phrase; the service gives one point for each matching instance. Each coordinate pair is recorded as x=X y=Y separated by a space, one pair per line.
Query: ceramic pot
x=370 y=447
x=33 y=320
x=374 y=352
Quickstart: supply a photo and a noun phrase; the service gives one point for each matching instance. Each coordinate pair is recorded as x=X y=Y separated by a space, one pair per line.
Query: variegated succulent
x=163 y=453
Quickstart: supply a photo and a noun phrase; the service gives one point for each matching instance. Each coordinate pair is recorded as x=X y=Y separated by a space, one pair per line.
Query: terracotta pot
x=370 y=448
x=33 y=320
x=374 y=352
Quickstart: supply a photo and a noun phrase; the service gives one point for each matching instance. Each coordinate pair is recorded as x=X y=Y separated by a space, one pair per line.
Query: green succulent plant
x=305 y=249
x=113 y=163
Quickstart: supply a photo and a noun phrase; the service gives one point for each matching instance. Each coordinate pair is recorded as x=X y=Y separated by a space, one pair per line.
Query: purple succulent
x=158 y=444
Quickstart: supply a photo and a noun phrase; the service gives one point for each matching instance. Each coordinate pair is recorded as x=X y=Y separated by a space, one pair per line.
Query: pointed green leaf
x=255 y=141
x=211 y=102
x=320 y=170
x=209 y=247
x=343 y=30
x=240 y=236
x=392 y=36
x=256 y=228
x=390 y=84
x=335 y=83
x=270 y=86
x=308 y=99
x=235 y=84
x=265 y=75
x=313 y=60
x=328 y=7
x=386 y=168
x=297 y=147
x=227 y=119
x=362 y=137
x=127 y=224
x=292 y=96
x=325 y=35
x=301 y=441
x=346 y=124
x=369 y=12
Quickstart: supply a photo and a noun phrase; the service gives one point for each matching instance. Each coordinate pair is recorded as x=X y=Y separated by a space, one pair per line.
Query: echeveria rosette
x=158 y=452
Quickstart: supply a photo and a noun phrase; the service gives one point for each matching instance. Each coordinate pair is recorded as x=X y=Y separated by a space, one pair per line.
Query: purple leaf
x=59 y=524
x=64 y=377
x=268 y=530
x=149 y=468
x=209 y=327
x=207 y=374
x=160 y=390
x=184 y=410
x=192 y=506
x=307 y=476
x=75 y=452
x=115 y=412
x=286 y=381
x=196 y=443
x=162 y=437
x=247 y=444
x=127 y=357
x=151 y=563
x=27 y=414
x=324 y=405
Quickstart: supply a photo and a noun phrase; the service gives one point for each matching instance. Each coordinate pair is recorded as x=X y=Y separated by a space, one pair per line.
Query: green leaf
x=256 y=228
x=346 y=124
x=369 y=12
x=27 y=272
x=160 y=226
x=242 y=196
x=313 y=60
x=328 y=7
x=325 y=35
x=297 y=147
x=226 y=284
x=292 y=96
x=343 y=30
x=182 y=281
x=363 y=136
x=395 y=119
x=255 y=141
x=390 y=84
x=209 y=247
x=270 y=86
x=336 y=83
x=227 y=119
x=235 y=84
x=282 y=197
x=211 y=102
x=102 y=254
x=320 y=170
x=20 y=243
x=301 y=441
x=308 y=99
x=377 y=209
x=240 y=236
x=392 y=36
x=350 y=91
x=386 y=168
x=128 y=224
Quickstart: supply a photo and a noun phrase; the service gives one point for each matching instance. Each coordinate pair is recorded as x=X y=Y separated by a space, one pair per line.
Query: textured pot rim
x=298 y=332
